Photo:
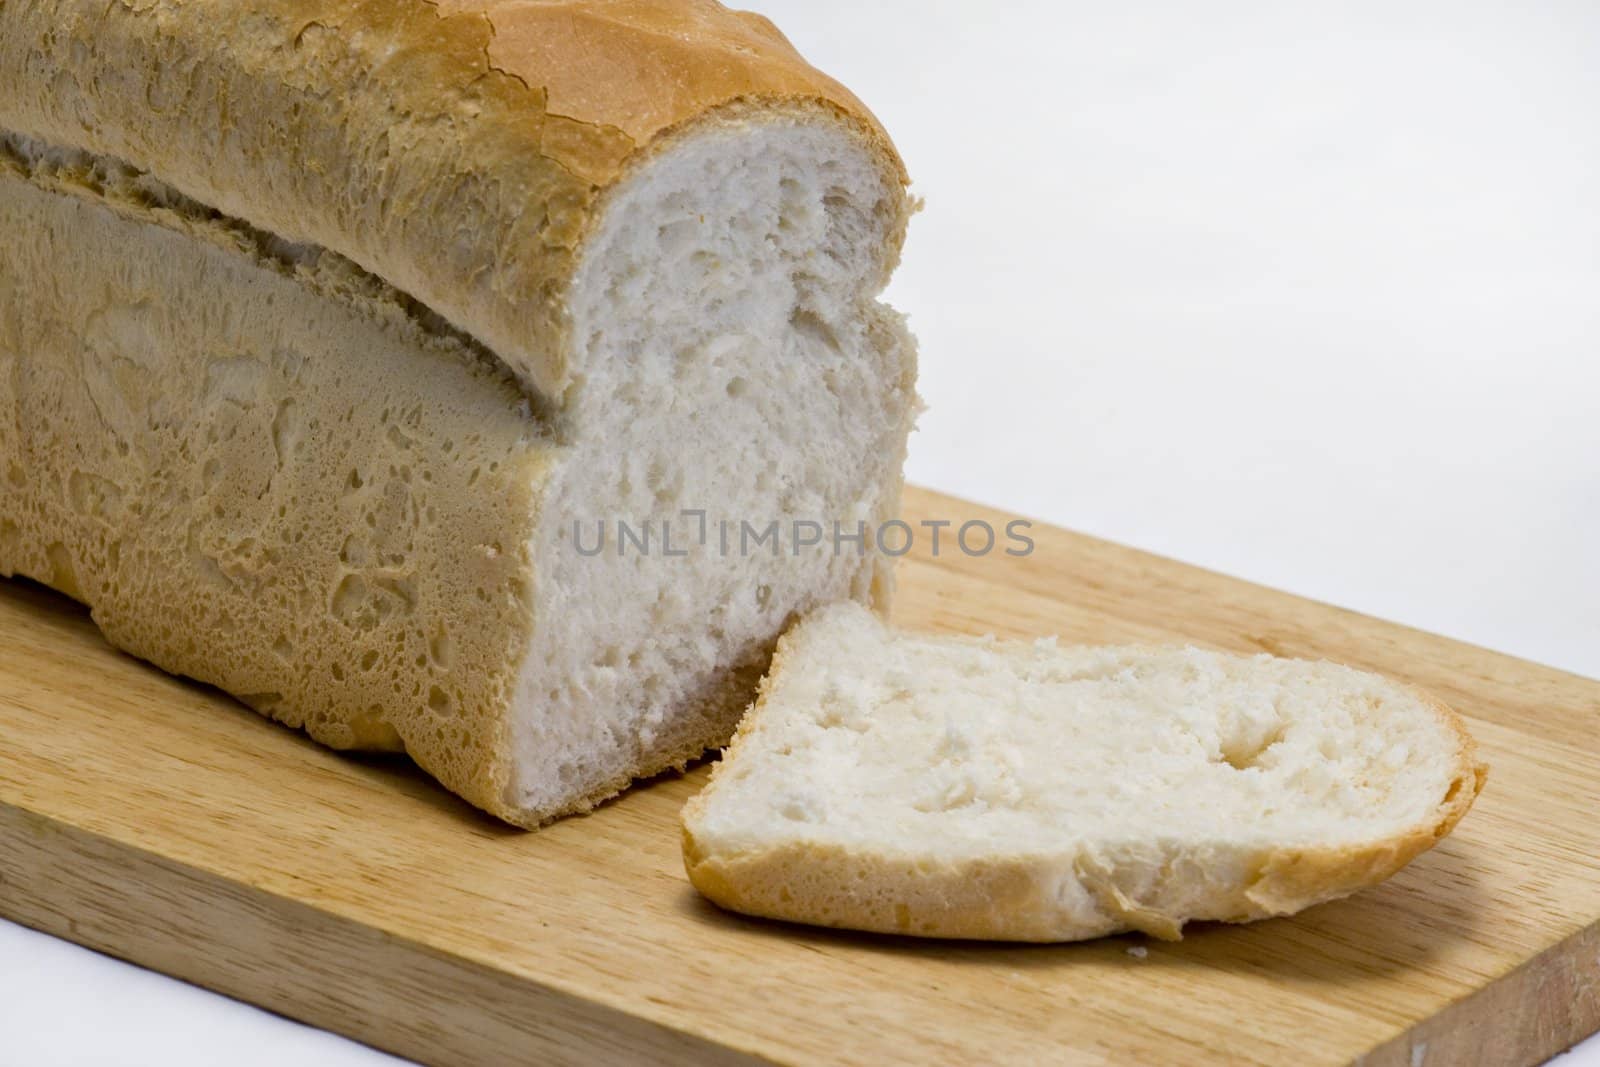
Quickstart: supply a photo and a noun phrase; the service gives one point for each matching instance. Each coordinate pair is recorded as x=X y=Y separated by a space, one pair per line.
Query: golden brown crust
x=1036 y=896
x=1294 y=880
x=263 y=473
x=458 y=149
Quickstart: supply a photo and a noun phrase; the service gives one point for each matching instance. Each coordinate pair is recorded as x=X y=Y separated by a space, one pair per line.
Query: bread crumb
x=1138 y=952
x=1144 y=775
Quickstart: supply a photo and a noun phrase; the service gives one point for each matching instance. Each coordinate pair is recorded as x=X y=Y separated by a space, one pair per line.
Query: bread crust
x=188 y=446
x=1041 y=896
x=458 y=149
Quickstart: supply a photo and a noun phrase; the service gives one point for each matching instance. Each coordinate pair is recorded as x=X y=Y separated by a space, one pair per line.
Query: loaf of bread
x=953 y=787
x=335 y=335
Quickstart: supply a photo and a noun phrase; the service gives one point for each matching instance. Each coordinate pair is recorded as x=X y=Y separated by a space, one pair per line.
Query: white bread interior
x=953 y=787
x=733 y=359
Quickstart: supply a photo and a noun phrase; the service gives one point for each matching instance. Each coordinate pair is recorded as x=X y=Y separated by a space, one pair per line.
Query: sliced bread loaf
x=340 y=344
x=953 y=787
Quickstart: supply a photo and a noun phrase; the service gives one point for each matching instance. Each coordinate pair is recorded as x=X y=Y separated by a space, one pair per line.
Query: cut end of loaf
x=965 y=788
x=734 y=369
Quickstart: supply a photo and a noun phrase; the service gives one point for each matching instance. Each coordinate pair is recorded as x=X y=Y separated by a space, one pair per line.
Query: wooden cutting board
x=158 y=821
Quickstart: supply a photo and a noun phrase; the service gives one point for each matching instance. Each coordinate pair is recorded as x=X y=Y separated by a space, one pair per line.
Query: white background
x=1307 y=293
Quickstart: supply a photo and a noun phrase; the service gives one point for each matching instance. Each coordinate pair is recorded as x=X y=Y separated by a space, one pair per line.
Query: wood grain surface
x=156 y=820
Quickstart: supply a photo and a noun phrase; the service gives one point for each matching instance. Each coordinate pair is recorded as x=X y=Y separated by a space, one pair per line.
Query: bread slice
x=951 y=787
x=334 y=337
